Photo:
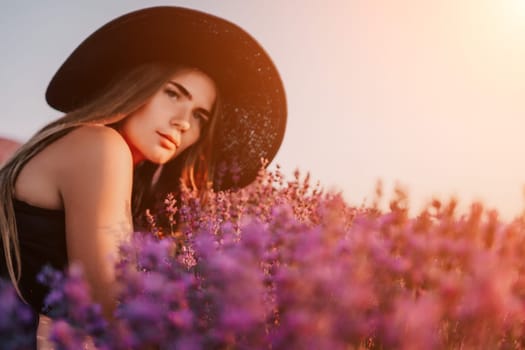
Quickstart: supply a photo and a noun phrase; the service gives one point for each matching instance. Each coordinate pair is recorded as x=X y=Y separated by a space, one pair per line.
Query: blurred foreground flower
x=283 y=265
x=16 y=320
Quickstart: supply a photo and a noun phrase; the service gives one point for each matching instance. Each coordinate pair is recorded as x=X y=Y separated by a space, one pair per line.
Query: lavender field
x=284 y=265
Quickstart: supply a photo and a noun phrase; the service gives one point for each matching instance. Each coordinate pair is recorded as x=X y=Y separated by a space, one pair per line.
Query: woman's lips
x=168 y=140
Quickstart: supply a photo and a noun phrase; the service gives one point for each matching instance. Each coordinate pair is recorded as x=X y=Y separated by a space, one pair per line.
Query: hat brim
x=249 y=83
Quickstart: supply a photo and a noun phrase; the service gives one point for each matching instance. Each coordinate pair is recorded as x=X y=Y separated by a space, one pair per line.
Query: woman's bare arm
x=95 y=182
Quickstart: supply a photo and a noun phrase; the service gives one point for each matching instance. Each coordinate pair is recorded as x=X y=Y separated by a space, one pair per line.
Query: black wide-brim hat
x=251 y=90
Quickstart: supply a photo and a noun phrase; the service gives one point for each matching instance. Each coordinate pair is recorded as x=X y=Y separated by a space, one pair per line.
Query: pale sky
x=424 y=93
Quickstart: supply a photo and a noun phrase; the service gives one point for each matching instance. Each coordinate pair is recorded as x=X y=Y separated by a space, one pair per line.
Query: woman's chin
x=160 y=157
x=160 y=161
x=163 y=155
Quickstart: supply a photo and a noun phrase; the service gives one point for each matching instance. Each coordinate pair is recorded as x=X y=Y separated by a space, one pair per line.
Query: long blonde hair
x=113 y=104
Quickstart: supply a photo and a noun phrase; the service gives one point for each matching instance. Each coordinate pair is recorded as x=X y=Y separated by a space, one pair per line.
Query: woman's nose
x=181 y=120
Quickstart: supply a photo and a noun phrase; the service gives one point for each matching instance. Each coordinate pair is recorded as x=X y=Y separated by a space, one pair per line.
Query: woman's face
x=172 y=119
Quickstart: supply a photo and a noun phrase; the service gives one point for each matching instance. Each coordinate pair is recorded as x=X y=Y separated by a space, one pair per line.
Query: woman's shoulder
x=76 y=158
x=95 y=143
x=92 y=146
x=93 y=138
x=92 y=162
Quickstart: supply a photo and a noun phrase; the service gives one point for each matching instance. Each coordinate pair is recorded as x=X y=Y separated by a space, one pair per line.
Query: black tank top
x=42 y=239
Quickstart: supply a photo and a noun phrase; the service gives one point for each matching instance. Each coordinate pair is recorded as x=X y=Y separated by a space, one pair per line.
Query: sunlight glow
x=518 y=6
x=513 y=16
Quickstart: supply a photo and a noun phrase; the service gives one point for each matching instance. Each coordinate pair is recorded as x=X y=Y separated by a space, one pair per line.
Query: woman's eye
x=172 y=93
x=201 y=117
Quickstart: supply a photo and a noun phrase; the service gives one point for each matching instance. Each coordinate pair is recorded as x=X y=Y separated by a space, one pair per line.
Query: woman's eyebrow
x=186 y=93
x=182 y=89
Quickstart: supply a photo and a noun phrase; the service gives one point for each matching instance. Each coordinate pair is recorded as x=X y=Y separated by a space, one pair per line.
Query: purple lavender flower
x=70 y=302
x=283 y=265
x=66 y=337
x=17 y=321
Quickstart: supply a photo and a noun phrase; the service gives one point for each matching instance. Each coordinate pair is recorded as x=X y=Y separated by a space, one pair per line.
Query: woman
x=153 y=98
